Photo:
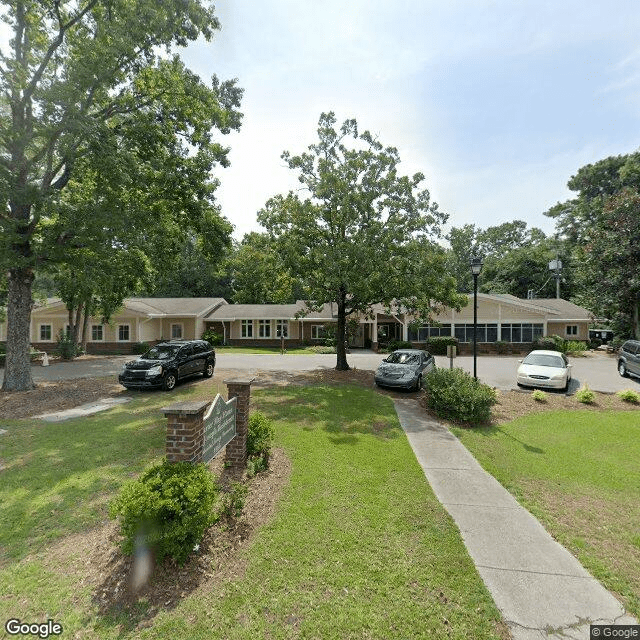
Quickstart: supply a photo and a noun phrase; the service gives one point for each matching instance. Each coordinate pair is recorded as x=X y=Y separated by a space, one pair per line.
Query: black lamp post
x=476 y=267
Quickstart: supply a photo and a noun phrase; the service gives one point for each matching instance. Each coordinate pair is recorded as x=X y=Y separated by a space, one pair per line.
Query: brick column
x=236 y=451
x=185 y=430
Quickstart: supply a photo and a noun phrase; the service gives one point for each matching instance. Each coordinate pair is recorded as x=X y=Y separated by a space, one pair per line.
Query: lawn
x=265 y=350
x=358 y=546
x=578 y=473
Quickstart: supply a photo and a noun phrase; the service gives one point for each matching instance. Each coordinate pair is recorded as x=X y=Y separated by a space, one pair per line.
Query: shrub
x=502 y=347
x=213 y=338
x=260 y=435
x=168 y=508
x=66 y=347
x=438 y=344
x=140 y=347
x=318 y=348
x=552 y=343
x=539 y=396
x=629 y=395
x=585 y=395
x=457 y=395
x=575 y=347
x=399 y=344
x=233 y=501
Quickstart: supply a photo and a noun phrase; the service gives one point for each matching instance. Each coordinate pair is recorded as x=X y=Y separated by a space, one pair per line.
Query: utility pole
x=556 y=267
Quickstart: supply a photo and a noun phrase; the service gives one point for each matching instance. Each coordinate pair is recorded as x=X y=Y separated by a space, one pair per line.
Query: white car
x=548 y=369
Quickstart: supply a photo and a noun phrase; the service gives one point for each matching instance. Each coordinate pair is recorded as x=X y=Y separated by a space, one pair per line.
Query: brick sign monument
x=198 y=430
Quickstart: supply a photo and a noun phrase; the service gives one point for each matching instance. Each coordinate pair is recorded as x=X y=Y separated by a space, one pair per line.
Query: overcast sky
x=497 y=102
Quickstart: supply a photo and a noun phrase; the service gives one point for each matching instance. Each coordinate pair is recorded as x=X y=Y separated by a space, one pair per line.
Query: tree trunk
x=85 y=326
x=636 y=319
x=76 y=325
x=341 y=333
x=17 y=370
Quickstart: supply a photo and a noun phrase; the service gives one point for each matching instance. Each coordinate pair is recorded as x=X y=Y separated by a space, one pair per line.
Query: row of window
x=265 y=328
x=97 y=332
x=509 y=332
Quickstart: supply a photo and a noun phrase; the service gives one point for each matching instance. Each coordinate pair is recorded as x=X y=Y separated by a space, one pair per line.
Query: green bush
x=502 y=347
x=318 y=348
x=260 y=435
x=629 y=395
x=456 y=395
x=575 y=347
x=66 y=347
x=399 y=344
x=539 y=396
x=168 y=508
x=438 y=344
x=585 y=395
x=213 y=338
x=140 y=347
x=233 y=501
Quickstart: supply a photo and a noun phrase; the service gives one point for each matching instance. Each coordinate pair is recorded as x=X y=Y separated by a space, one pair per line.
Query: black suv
x=629 y=358
x=167 y=362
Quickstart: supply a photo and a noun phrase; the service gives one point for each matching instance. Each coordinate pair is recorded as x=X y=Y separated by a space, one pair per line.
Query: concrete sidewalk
x=540 y=588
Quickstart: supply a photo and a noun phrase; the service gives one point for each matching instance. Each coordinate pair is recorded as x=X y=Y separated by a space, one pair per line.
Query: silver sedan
x=404 y=368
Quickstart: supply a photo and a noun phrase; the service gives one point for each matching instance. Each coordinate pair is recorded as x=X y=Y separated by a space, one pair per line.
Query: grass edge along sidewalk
x=359 y=546
x=577 y=473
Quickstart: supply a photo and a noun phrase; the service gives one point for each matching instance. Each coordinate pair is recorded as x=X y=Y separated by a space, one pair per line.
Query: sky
x=497 y=102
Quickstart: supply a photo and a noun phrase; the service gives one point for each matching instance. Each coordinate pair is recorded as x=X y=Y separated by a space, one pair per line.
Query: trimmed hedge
x=456 y=395
x=438 y=344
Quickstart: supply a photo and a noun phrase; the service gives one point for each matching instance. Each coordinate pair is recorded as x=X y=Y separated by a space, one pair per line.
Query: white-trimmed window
x=282 y=328
x=247 y=329
x=124 y=333
x=572 y=329
x=318 y=332
x=176 y=331
x=264 y=328
x=45 y=333
x=97 y=333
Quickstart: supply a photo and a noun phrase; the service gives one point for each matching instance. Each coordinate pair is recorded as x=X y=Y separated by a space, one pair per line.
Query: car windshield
x=161 y=352
x=403 y=358
x=544 y=360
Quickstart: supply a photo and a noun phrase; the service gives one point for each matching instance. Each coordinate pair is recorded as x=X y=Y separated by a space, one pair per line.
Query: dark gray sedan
x=404 y=368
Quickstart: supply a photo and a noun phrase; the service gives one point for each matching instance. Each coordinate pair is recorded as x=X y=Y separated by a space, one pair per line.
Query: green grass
x=265 y=350
x=578 y=473
x=359 y=546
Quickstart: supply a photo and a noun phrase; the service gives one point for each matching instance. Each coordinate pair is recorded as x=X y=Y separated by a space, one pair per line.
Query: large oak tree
x=364 y=234
x=91 y=102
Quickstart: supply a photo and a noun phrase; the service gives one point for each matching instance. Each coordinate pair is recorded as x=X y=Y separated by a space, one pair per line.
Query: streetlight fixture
x=476 y=268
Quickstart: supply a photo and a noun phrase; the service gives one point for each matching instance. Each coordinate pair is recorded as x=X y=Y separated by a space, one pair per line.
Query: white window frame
x=177 y=324
x=246 y=329
x=282 y=329
x=571 y=330
x=319 y=331
x=40 y=327
x=120 y=326
x=95 y=326
x=264 y=329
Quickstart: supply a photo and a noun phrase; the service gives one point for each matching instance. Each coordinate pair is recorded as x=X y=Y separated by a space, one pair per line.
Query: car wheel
x=208 y=371
x=566 y=386
x=169 y=381
x=418 y=386
x=622 y=370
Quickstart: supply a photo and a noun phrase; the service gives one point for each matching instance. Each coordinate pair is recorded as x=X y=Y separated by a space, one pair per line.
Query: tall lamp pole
x=476 y=267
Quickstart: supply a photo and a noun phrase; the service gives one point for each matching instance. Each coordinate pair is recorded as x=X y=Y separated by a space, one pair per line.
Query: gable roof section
x=254 y=311
x=174 y=307
x=564 y=309
x=156 y=307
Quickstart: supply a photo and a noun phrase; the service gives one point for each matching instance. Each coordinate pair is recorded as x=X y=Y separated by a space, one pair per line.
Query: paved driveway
x=598 y=370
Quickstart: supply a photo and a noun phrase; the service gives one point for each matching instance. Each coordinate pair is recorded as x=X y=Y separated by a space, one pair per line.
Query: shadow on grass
x=492 y=430
x=345 y=412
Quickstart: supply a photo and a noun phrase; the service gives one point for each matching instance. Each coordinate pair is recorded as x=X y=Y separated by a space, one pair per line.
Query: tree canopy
x=364 y=234
x=603 y=224
x=105 y=139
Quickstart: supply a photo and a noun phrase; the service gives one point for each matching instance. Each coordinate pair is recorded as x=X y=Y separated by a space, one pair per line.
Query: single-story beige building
x=501 y=318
